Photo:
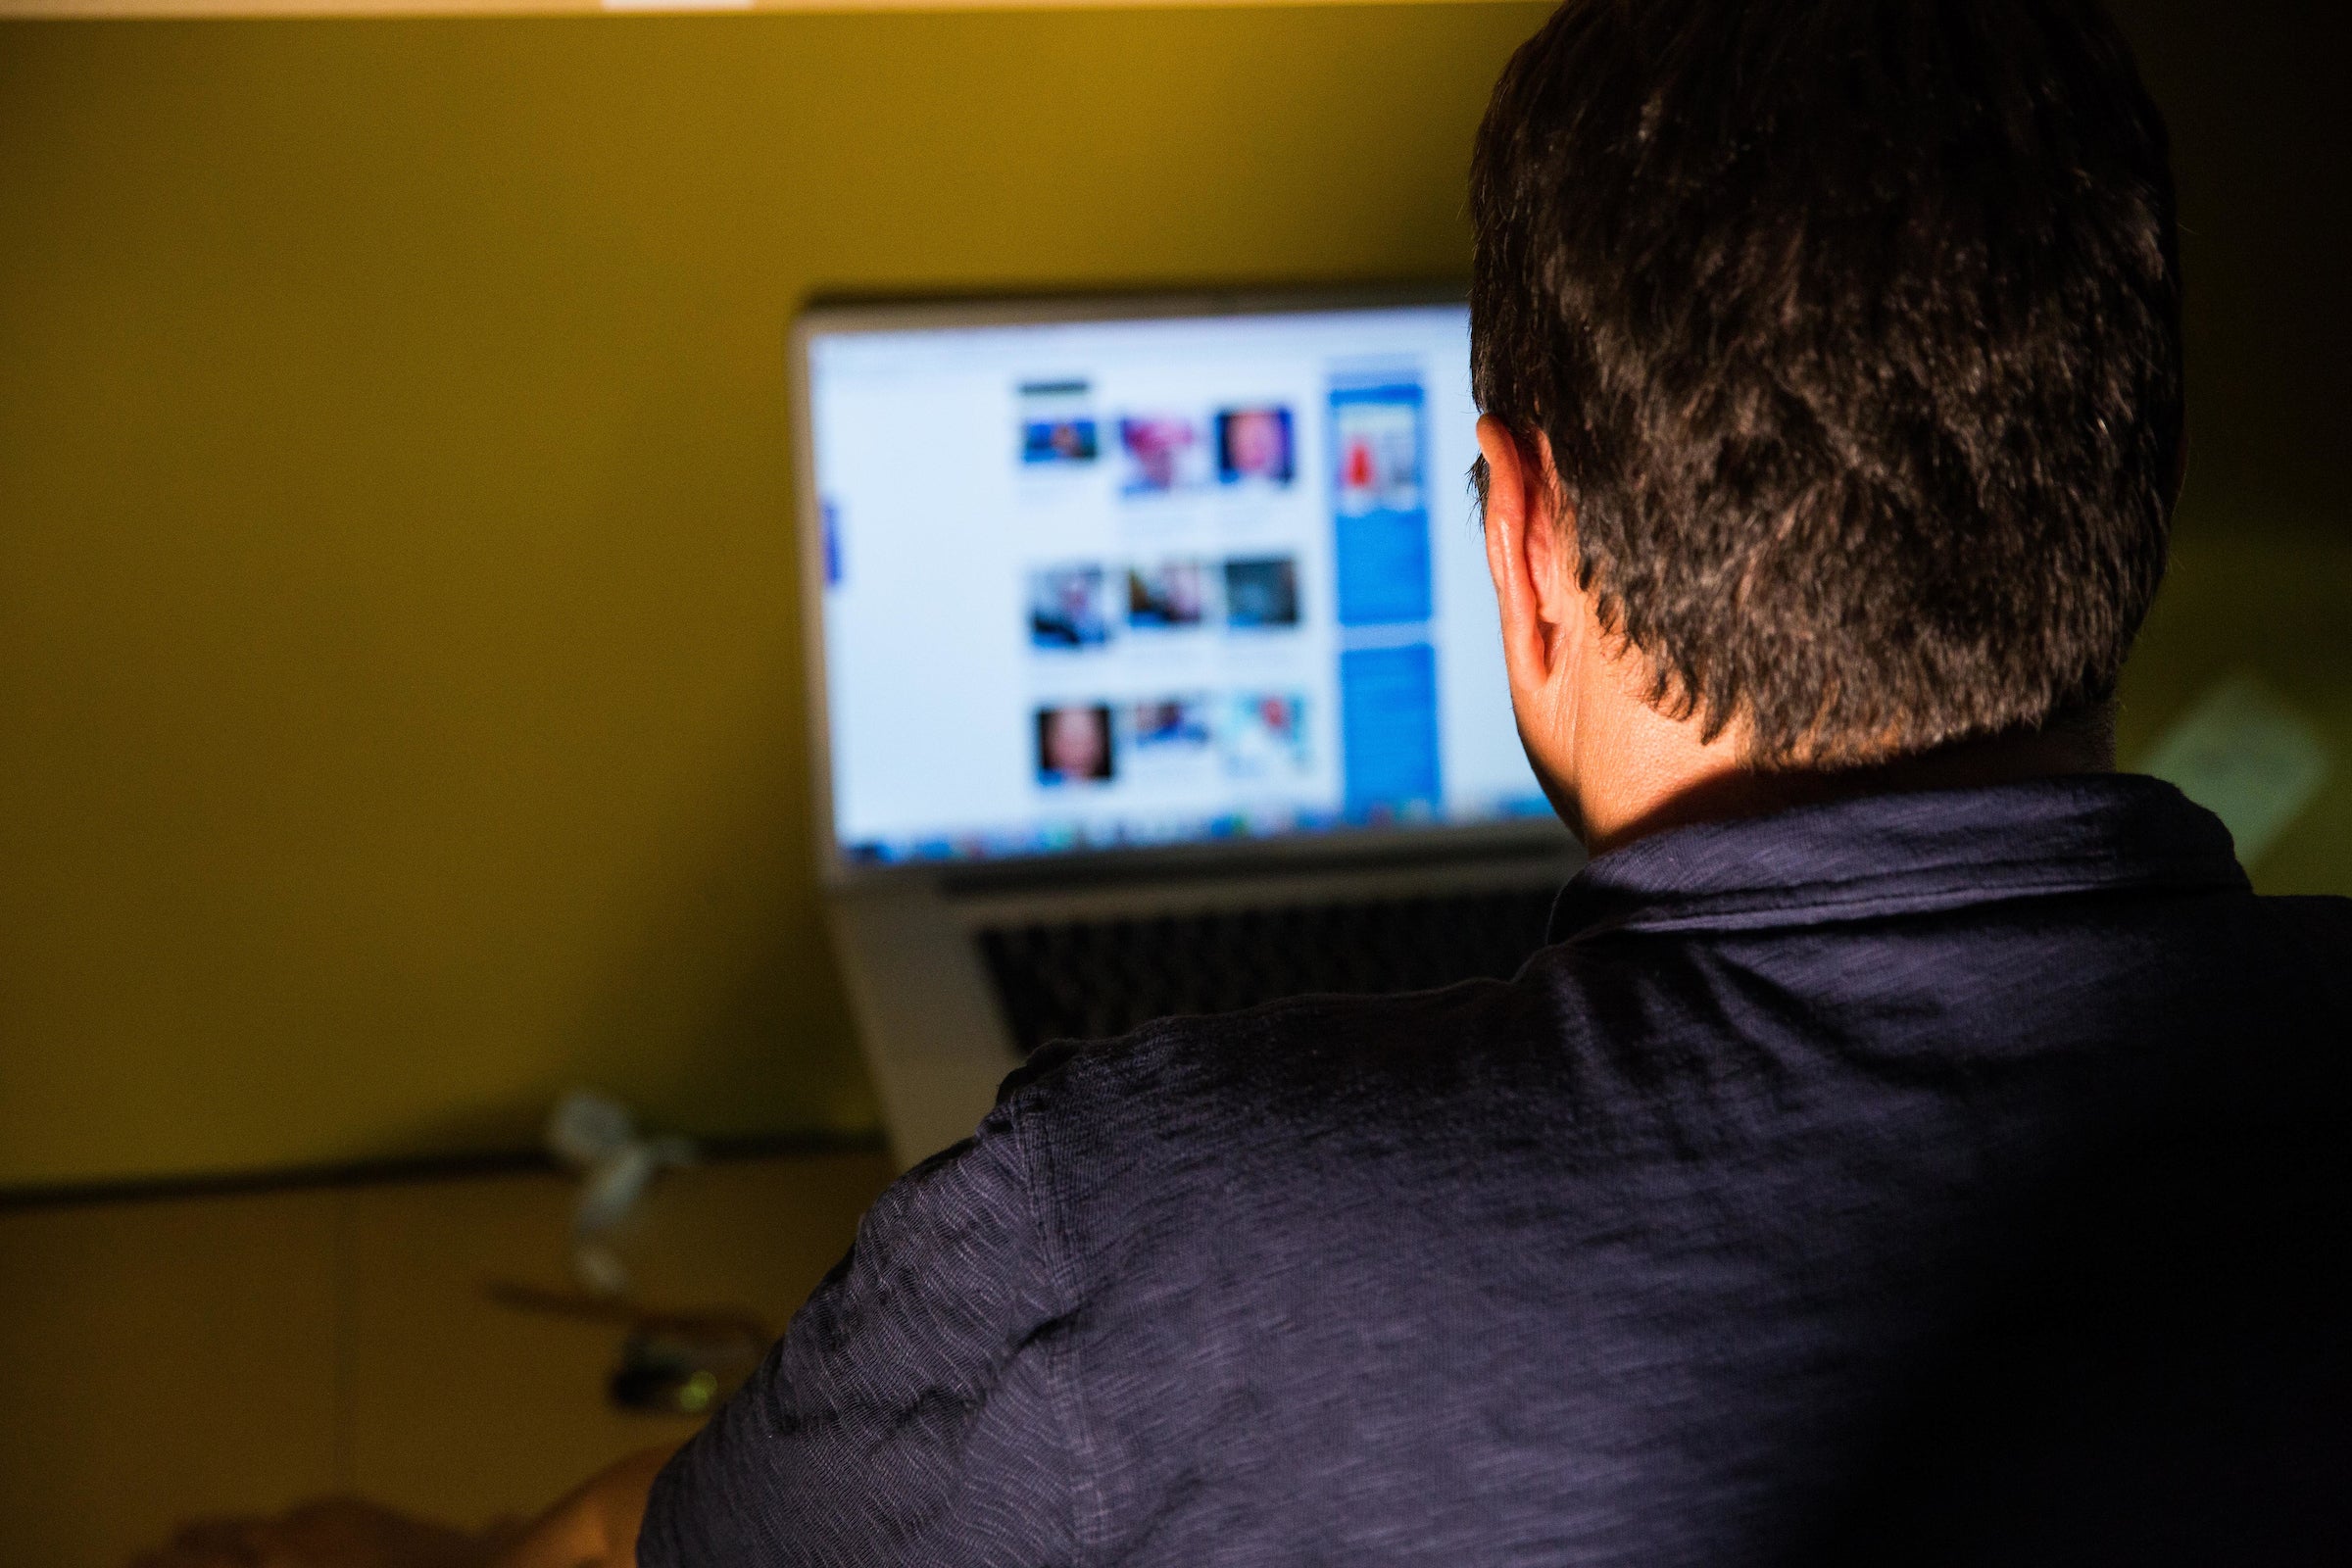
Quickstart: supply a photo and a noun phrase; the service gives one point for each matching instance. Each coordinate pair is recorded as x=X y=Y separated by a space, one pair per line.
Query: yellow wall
x=400 y=706
x=2261 y=577
x=398 y=686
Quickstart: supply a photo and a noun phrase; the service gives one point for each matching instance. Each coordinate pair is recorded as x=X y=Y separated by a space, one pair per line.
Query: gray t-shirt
x=1947 y=1177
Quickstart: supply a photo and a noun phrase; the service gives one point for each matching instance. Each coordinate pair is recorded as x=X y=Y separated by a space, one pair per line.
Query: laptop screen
x=1098 y=583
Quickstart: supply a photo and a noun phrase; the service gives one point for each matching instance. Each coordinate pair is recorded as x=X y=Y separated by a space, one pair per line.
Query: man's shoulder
x=2324 y=918
x=1300 y=1038
x=1240 y=1147
x=2315 y=943
x=1329 y=1070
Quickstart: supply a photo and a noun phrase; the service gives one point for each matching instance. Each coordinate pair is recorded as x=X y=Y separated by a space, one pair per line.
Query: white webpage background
x=932 y=679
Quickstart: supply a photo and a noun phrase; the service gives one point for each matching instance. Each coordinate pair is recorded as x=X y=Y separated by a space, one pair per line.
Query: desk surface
x=164 y=1358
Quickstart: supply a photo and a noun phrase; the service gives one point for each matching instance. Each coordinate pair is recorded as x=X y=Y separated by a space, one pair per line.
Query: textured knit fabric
x=1945 y=1177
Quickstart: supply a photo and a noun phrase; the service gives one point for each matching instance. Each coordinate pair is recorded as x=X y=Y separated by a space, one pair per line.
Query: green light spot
x=693 y=1396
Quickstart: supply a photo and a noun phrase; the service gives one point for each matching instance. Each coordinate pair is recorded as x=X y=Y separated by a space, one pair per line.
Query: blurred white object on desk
x=599 y=1137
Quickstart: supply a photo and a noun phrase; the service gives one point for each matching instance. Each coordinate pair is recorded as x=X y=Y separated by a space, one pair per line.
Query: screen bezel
x=1305 y=850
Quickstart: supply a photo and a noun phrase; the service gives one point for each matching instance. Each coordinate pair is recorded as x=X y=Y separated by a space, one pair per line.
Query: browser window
x=1106 y=583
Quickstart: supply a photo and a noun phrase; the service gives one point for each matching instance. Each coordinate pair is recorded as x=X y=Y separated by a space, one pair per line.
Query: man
x=1918 y=1143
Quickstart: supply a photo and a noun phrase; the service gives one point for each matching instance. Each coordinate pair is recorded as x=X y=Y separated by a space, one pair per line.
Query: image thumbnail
x=1253 y=446
x=1265 y=735
x=1073 y=744
x=1261 y=592
x=1170 y=728
x=1170 y=739
x=1166 y=594
x=1069 y=607
x=1057 y=423
x=1165 y=452
x=1379 y=447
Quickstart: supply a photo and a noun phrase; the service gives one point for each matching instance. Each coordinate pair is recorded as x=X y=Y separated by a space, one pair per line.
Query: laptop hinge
x=1122 y=873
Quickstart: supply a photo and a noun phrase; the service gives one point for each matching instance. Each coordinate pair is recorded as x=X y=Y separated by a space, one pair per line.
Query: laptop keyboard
x=1090 y=979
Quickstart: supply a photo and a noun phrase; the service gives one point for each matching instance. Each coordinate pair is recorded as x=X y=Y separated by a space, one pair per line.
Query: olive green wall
x=2260 y=578
x=397 y=646
x=399 y=689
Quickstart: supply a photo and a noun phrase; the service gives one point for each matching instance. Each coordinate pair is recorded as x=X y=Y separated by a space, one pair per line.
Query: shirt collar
x=1905 y=853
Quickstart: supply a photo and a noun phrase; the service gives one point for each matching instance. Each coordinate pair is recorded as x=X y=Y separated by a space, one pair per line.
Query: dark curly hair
x=1854 y=331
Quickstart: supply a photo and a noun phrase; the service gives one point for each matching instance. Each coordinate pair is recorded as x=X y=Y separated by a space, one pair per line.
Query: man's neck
x=1653 y=794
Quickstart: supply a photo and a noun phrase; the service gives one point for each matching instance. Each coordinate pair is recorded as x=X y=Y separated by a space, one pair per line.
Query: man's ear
x=1526 y=554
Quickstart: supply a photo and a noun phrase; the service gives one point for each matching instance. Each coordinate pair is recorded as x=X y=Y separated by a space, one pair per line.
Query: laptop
x=1154 y=669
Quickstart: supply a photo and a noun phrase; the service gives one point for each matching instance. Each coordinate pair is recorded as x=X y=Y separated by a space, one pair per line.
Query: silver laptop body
x=1127 y=609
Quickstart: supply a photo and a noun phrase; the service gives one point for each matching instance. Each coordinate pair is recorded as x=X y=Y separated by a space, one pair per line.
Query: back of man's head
x=1853 y=328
